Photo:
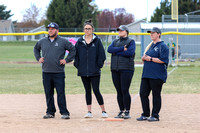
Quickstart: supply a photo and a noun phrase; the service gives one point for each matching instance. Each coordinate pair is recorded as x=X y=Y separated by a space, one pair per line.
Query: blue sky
x=140 y=8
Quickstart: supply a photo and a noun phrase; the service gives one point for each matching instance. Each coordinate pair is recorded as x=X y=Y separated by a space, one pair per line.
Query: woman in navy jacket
x=89 y=60
x=122 y=68
x=156 y=58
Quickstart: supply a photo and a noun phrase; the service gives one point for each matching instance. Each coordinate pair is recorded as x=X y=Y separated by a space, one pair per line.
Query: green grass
x=17 y=51
x=27 y=78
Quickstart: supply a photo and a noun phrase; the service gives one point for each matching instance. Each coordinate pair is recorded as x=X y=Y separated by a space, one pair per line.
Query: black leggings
x=93 y=82
x=122 y=81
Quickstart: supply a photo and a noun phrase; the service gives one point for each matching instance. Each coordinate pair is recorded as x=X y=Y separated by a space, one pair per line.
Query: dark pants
x=51 y=81
x=145 y=88
x=122 y=81
x=92 y=82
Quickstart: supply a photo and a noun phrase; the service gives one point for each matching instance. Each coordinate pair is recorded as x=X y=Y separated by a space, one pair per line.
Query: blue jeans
x=51 y=81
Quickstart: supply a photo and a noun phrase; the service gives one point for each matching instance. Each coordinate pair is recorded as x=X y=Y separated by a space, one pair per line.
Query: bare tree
x=106 y=19
x=122 y=17
x=113 y=19
x=32 y=17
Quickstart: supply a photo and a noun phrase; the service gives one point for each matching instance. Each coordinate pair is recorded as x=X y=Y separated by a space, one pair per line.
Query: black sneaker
x=151 y=119
x=142 y=118
x=127 y=115
x=47 y=116
x=65 y=116
x=120 y=115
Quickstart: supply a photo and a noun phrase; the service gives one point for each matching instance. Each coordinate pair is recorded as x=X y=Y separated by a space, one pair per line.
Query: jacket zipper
x=87 y=62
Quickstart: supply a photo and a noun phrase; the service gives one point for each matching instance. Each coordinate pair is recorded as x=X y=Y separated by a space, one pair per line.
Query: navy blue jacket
x=156 y=70
x=120 y=59
x=89 y=58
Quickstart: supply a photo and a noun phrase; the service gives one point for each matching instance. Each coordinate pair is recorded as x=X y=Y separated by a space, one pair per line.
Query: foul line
x=172 y=70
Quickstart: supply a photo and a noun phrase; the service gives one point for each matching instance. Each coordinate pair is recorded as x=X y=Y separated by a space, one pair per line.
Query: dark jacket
x=156 y=70
x=53 y=52
x=120 y=59
x=89 y=58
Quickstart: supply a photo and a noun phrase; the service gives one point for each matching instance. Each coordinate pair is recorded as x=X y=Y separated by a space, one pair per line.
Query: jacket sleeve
x=112 y=49
x=76 y=60
x=164 y=54
x=72 y=51
x=130 y=50
x=101 y=57
x=37 y=49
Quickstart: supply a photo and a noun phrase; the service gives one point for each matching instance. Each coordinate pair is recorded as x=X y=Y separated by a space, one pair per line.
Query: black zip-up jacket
x=89 y=58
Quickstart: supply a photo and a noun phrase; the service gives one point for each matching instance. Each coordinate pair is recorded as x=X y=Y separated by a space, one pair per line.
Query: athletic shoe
x=120 y=115
x=47 y=116
x=127 y=115
x=151 y=119
x=142 y=118
x=65 y=116
x=88 y=115
x=104 y=115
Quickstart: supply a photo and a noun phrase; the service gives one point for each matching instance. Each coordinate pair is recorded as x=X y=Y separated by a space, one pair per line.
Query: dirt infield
x=23 y=114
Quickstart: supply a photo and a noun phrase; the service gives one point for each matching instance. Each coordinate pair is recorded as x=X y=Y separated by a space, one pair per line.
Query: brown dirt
x=180 y=113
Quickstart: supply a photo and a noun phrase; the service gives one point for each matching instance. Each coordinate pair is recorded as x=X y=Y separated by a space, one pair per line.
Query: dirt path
x=23 y=114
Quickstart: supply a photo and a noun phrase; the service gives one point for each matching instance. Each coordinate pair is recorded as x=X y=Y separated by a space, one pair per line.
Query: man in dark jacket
x=53 y=50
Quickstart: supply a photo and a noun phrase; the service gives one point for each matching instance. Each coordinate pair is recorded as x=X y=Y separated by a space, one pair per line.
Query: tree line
x=73 y=13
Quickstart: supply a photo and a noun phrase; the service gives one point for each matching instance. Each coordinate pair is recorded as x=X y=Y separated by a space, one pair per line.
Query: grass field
x=26 y=78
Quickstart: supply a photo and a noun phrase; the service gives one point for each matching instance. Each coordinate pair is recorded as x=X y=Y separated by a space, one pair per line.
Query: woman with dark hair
x=122 y=68
x=89 y=60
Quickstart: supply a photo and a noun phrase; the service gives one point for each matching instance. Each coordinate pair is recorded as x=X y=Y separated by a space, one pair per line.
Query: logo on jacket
x=156 y=49
x=56 y=44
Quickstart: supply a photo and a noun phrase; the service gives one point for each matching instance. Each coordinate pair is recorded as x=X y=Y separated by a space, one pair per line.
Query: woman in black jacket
x=89 y=60
x=122 y=68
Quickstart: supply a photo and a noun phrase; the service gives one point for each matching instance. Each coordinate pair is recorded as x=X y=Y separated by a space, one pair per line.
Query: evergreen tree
x=184 y=6
x=4 y=15
x=165 y=9
x=71 y=13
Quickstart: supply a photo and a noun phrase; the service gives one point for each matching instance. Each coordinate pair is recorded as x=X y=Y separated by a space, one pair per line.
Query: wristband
x=151 y=59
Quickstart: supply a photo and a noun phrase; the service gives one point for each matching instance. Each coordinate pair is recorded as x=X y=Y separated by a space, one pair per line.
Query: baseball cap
x=123 y=27
x=155 y=29
x=53 y=25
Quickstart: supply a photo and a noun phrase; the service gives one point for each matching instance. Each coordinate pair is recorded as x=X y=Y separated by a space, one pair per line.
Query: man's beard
x=54 y=35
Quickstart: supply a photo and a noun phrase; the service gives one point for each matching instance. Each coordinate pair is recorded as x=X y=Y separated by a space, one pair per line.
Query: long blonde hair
x=148 y=46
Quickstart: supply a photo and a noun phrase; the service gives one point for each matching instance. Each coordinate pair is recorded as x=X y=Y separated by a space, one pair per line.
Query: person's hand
x=143 y=57
x=146 y=58
x=63 y=62
x=125 y=48
x=41 y=60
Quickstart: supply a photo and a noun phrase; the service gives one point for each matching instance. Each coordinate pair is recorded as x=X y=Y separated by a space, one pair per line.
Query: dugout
x=189 y=45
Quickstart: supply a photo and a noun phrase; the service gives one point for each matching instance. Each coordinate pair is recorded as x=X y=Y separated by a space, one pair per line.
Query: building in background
x=6 y=26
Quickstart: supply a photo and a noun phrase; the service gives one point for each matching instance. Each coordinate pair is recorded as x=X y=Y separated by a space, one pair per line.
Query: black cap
x=155 y=29
x=123 y=27
x=53 y=25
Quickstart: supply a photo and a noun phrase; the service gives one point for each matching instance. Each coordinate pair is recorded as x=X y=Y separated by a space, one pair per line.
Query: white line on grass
x=172 y=70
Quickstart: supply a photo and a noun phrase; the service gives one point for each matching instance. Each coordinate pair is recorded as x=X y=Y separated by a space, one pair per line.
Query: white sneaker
x=104 y=115
x=88 y=115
